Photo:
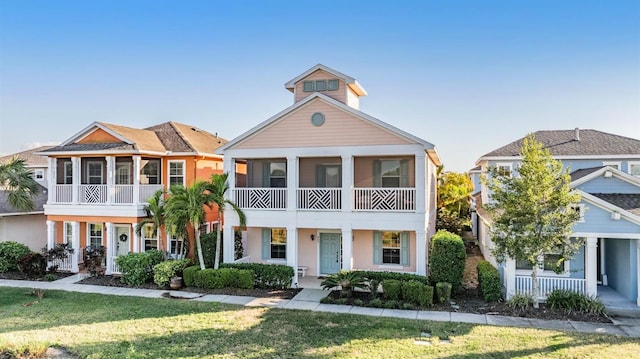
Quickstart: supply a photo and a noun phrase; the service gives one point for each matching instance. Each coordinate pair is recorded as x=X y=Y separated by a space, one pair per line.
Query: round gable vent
x=317 y=119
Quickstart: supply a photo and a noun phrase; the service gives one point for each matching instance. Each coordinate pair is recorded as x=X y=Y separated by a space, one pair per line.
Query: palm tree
x=187 y=205
x=155 y=216
x=219 y=188
x=18 y=181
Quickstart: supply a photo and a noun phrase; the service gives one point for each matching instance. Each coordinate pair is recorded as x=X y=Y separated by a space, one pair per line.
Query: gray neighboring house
x=26 y=227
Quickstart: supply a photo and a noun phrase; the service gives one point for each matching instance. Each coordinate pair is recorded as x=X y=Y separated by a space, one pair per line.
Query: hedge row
x=447 y=259
x=489 y=282
x=267 y=276
x=404 y=277
x=218 y=278
x=412 y=291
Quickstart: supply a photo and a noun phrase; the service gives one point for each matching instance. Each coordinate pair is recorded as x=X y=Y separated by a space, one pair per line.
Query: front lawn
x=99 y=326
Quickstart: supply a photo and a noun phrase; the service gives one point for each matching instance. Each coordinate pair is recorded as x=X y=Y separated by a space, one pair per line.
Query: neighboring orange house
x=101 y=178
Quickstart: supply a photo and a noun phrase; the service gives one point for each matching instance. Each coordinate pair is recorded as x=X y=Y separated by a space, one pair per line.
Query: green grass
x=99 y=326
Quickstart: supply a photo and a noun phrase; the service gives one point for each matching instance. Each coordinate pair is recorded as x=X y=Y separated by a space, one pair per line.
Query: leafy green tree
x=219 y=187
x=155 y=216
x=18 y=180
x=186 y=205
x=454 y=195
x=533 y=210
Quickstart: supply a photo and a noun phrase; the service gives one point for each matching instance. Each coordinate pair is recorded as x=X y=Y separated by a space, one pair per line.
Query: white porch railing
x=114 y=266
x=547 y=284
x=123 y=193
x=63 y=193
x=147 y=191
x=320 y=198
x=93 y=193
x=384 y=199
x=65 y=264
x=261 y=198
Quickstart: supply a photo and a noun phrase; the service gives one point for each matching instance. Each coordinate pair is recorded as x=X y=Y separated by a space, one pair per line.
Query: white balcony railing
x=63 y=193
x=148 y=190
x=93 y=193
x=320 y=198
x=384 y=199
x=547 y=284
x=261 y=198
x=123 y=193
x=114 y=266
x=99 y=193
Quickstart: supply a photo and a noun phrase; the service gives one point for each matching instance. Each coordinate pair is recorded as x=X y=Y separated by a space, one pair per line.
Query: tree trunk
x=534 y=283
x=196 y=231
x=216 y=262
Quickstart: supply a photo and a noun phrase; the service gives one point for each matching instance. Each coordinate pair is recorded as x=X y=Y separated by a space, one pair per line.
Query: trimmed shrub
x=489 y=282
x=10 y=253
x=381 y=276
x=205 y=279
x=33 y=265
x=443 y=292
x=135 y=268
x=447 y=259
x=208 y=243
x=417 y=293
x=376 y=303
x=391 y=289
x=267 y=276
x=164 y=271
x=520 y=302
x=188 y=275
x=243 y=278
x=223 y=277
x=155 y=256
x=572 y=301
x=347 y=280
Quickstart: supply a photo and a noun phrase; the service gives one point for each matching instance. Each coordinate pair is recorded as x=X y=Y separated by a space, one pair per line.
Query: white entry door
x=123 y=239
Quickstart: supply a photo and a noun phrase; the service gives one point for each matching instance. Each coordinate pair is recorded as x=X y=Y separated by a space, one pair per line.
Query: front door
x=122 y=240
x=329 y=253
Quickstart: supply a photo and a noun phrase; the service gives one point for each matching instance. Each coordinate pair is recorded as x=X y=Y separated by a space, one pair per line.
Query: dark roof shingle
x=627 y=201
x=583 y=172
x=39 y=202
x=29 y=156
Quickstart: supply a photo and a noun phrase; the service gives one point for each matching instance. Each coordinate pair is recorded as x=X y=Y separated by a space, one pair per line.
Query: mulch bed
x=22 y=276
x=112 y=281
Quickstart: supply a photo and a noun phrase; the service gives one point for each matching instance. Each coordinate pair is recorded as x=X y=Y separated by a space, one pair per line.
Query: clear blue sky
x=468 y=76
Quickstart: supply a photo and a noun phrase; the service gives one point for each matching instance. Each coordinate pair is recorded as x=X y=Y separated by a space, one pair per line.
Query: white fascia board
x=292 y=83
x=615 y=172
x=606 y=235
x=103 y=153
x=86 y=131
x=563 y=157
x=609 y=207
x=390 y=150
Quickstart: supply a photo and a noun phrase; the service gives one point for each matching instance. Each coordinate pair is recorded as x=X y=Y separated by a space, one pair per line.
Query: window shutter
x=340 y=176
x=321 y=176
x=377 y=247
x=249 y=182
x=266 y=243
x=377 y=174
x=404 y=249
x=266 y=174
x=404 y=173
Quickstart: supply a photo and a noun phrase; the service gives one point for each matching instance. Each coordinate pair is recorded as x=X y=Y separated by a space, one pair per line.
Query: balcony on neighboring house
x=369 y=184
x=104 y=180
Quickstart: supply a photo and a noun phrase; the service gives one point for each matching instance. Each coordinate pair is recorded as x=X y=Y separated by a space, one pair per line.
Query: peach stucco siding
x=339 y=129
x=99 y=136
x=308 y=250
x=308 y=169
x=363 y=170
x=339 y=94
x=363 y=256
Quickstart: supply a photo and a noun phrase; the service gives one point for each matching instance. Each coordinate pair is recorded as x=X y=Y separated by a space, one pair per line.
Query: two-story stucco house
x=605 y=170
x=329 y=187
x=101 y=178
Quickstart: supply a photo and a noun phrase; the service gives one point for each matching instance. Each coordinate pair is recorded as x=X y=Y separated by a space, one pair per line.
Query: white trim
x=601 y=172
x=632 y=163
x=350 y=81
x=606 y=235
x=563 y=157
x=505 y=164
x=184 y=171
x=88 y=130
x=609 y=207
x=614 y=164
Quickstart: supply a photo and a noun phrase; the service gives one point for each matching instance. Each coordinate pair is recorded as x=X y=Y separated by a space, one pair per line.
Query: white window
x=634 y=168
x=95 y=234
x=391 y=247
x=150 y=241
x=94 y=172
x=333 y=85
x=176 y=173
x=580 y=209
x=613 y=164
x=68 y=233
x=321 y=85
x=307 y=86
x=274 y=243
x=278 y=174
x=38 y=175
x=123 y=173
x=68 y=173
x=390 y=172
x=504 y=169
x=176 y=246
x=150 y=173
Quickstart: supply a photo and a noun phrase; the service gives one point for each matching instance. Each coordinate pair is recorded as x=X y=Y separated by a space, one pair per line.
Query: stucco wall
x=30 y=229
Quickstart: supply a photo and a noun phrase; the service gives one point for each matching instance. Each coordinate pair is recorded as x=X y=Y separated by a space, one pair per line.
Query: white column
x=590 y=263
x=51 y=234
x=228 y=247
x=638 y=270
x=421 y=253
x=75 y=244
x=603 y=266
x=347 y=183
x=292 y=252
x=510 y=277
x=76 y=175
x=136 y=182
x=292 y=183
x=347 y=248
x=230 y=169
x=136 y=239
x=111 y=165
x=421 y=183
x=109 y=247
x=52 y=180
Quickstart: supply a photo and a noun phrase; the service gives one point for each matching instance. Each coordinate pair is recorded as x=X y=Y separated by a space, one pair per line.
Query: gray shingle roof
x=39 y=202
x=29 y=156
x=81 y=147
x=583 y=172
x=628 y=202
x=564 y=143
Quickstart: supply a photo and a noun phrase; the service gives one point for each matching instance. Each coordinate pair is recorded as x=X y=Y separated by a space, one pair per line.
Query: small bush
x=267 y=276
x=346 y=280
x=414 y=292
x=443 y=292
x=447 y=259
x=50 y=277
x=59 y=252
x=208 y=243
x=489 y=282
x=155 y=256
x=404 y=277
x=188 y=275
x=136 y=268
x=408 y=306
x=358 y=302
x=342 y=301
x=376 y=303
x=327 y=300
x=391 y=304
x=164 y=271
x=10 y=253
x=204 y=279
x=392 y=289
x=223 y=278
x=520 y=302
x=33 y=265
x=572 y=301
x=93 y=260
x=373 y=287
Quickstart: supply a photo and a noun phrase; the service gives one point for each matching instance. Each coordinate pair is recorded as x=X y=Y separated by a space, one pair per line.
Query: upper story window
x=150 y=172
x=68 y=173
x=579 y=208
x=634 y=169
x=38 y=175
x=614 y=164
x=329 y=175
x=391 y=173
x=94 y=172
x=176 y=173
x=123 y=173
x=277 y=174
x=504 y=169
x=320 y=85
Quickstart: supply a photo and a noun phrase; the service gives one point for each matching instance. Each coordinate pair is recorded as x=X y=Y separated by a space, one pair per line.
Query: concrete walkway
x=309 y=299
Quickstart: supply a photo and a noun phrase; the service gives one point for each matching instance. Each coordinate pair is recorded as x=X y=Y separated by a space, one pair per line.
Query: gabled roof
x=168 y=137
x=628 y=202
x=587 y=174
x=429 y=147
x=350 y=81
x=575 y=143
x=613 y=206
x=577 y=174
x=7 y=210
x=30 y=157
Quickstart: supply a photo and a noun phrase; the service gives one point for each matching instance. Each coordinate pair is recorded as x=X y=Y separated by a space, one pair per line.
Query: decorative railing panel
x=384 y=199
x=93 y=193
x=261 y=198
x=320 y=198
